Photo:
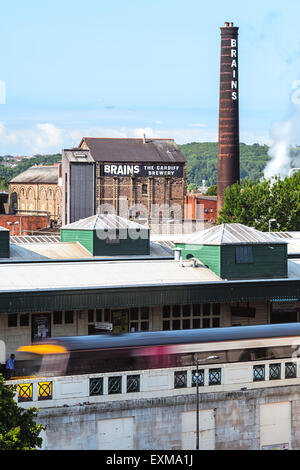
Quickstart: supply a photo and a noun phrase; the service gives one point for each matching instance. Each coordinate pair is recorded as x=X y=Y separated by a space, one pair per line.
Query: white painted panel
x=116 y=434
x=275 y=424
x=72 y=389
x=236 y=375
x=159 y=381
x=206 y=428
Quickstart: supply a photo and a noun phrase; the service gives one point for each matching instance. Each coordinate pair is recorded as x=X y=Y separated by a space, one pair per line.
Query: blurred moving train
x=158 y=349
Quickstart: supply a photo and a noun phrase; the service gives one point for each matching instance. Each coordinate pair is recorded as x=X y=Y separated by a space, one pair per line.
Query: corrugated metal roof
x=25 y=239
x=104 y=222
x=134 y=150
x=230 y=234
x=38 y=174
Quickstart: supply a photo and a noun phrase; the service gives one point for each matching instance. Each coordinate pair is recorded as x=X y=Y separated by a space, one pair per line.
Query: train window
x=69 y=316
x=12 y=319
x=91 y=316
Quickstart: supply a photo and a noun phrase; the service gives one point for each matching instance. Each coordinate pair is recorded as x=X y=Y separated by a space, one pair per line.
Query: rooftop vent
x=81 y=157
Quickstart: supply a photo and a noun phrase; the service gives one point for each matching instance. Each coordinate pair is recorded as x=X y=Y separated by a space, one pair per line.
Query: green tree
x=255 y=203
x=18 y=429
x=212 y=191
x=192 y=187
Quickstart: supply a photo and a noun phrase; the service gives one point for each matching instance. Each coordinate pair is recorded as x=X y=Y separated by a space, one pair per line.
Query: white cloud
x=47 y=138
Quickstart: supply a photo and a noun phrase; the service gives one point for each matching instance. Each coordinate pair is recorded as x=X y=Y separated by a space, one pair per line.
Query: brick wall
x=27 y=223
x=201 y=207
x=142 y=191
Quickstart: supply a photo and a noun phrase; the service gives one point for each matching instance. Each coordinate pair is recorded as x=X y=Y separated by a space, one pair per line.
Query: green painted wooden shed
x=4 y=242
x=108 y=235
x=234 y=251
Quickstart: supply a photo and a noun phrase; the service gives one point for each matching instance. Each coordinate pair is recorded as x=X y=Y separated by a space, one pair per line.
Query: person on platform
x=10 y=366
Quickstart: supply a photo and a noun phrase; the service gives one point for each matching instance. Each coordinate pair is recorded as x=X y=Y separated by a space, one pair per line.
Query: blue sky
x=119 y=68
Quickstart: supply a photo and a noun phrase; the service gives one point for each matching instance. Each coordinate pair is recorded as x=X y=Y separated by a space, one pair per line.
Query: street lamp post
x=13 y=226
x=197 y=397
x=197 y=405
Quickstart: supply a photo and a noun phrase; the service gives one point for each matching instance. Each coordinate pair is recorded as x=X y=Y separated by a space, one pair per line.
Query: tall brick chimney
x=229 y=151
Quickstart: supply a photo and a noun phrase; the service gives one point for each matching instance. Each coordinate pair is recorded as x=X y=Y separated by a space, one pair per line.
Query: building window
x=91 y=316
x=144 y=189
x=243 y=254
x=99 y=315
x=185 y=317
x=12 y=319
x=57 y=318
x=69 y=316
x=24 y=319
x=139 y=319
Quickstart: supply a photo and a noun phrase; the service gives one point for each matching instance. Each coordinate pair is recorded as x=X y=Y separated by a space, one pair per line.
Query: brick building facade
x=37 y=191
x=133 y=178
x=201 y=207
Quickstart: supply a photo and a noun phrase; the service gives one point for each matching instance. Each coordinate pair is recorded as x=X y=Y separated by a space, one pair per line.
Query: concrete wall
x=228 y=421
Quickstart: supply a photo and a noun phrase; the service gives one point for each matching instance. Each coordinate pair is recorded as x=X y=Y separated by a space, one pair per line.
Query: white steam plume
x=285 y=136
